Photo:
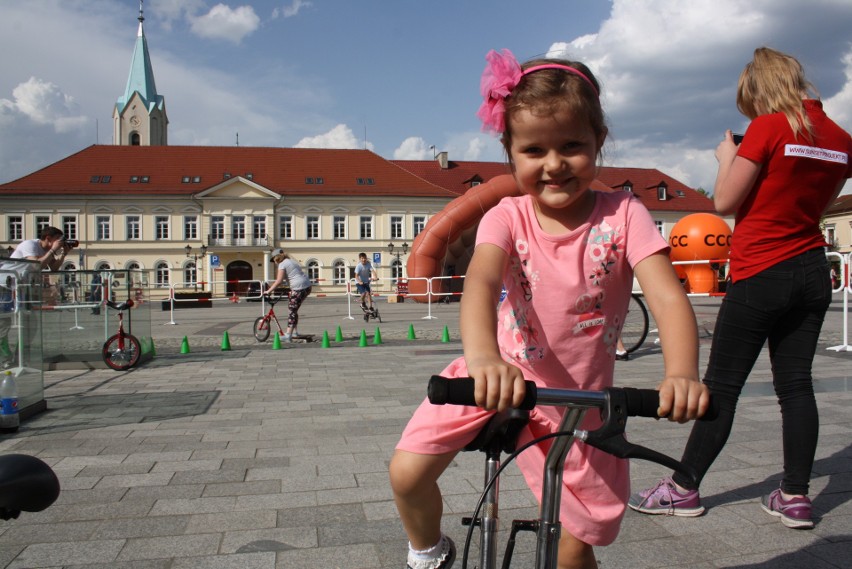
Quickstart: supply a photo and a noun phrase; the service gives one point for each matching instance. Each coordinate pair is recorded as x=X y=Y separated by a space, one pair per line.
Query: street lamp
x=195 y=258
x=398 y=254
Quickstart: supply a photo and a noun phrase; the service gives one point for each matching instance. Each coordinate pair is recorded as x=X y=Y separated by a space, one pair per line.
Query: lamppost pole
x=195 y=258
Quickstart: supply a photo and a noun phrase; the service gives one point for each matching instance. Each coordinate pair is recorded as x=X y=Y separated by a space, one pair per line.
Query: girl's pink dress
x=566 y=299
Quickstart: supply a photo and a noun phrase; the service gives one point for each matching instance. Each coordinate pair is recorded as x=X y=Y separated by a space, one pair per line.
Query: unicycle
x=121 y=351
x=370 y=312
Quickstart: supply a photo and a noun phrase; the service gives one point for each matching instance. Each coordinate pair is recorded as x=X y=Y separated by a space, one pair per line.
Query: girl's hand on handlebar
x=498 y=385
x=682 y=399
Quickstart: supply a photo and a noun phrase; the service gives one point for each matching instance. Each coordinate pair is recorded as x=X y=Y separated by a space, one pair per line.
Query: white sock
x=429 y=553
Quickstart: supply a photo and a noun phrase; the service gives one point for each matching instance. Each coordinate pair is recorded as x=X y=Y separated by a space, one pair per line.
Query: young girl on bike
x=300 y=288
x=566 y=255
x=788 y=169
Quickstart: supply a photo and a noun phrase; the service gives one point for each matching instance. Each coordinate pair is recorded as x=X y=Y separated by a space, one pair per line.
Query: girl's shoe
x=794 y=513
x=286 y=338
x=666 y=499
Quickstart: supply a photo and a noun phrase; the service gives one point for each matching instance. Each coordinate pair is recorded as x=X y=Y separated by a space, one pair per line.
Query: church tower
x=139 y=117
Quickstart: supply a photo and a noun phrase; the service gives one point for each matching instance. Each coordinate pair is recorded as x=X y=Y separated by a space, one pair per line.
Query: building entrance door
x=238 y=271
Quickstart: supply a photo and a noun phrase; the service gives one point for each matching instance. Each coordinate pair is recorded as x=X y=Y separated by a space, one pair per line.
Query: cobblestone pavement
x=262 y=458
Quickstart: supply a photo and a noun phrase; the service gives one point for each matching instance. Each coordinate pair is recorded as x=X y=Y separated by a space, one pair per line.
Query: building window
x=831 y=236
x=103 y=228
x=339 y=226
x=238 y=229
x=396 y=271
x=69 y=226
x=285 y=227
x=217 y=229
x=161 y=227
x=396 y=227
x=258 y=229
x=661 y=225
x=312 y=228
x=313 y=269
x=42 y=222
x=419 y=222
x=134 y=227
x=190 y=274
x=366 y=227
x=161 y=274
x=190 y=227
x=16 y=228
x=661 y=191
x=338 y=275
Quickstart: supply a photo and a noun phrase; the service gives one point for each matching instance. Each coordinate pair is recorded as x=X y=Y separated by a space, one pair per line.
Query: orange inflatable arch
x=445 y=245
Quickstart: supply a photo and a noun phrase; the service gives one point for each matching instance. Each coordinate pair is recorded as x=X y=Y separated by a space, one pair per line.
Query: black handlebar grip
x=459 y=391
x=641 y=402
x=645 y=402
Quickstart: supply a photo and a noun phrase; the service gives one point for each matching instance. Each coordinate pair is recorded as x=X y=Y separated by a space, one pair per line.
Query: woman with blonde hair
x=788 y=169
x=300 y=288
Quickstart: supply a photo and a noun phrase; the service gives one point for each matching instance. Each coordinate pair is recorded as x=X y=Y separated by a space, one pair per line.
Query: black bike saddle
x=27 y=484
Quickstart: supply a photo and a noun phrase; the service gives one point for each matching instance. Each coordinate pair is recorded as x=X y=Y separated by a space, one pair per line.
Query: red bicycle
x=263 y=324
x=122 y=350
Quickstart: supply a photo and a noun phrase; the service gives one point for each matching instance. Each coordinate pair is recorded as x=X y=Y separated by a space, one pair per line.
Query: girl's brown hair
x=774 y=82
x=547 y=91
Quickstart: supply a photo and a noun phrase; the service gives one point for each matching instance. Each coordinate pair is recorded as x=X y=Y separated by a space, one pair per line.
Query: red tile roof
x=843 y=204
x=645 y=181
x=287 y=171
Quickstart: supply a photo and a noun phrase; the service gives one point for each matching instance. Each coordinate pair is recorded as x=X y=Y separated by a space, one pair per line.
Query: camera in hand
x=737 y=138
x=71 y=243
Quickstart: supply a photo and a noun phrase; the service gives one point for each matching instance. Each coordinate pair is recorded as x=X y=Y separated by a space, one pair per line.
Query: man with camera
x=49 y=250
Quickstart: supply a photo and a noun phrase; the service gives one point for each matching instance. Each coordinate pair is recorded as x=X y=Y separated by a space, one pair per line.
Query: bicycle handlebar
x=615 y=403
x=27 y=484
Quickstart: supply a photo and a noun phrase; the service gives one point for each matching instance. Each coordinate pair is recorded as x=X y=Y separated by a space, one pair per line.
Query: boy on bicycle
x=364 y=274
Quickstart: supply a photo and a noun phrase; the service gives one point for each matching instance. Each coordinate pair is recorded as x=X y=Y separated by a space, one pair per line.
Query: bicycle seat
x=27 y=484
x=501 y=432
x=120 y=305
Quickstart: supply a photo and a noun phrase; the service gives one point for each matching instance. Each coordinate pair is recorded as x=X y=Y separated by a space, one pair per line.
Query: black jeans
x=786 y=305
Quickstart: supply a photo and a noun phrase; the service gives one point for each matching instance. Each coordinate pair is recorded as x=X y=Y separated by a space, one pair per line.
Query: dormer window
x=627 y=186
x=249 y=176
x=661 y=191
x=185 y=180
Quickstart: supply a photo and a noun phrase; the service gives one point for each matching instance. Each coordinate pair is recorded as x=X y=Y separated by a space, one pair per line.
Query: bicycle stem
x=549 y=532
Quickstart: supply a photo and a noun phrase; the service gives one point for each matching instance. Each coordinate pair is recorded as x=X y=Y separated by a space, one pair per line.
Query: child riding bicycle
x=566 y=255
x=364 y=275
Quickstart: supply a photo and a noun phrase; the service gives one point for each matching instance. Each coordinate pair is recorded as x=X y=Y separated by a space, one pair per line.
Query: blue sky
x=399 y=76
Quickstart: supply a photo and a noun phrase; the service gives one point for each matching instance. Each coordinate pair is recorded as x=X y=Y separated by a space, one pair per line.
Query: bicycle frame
x=616 y=404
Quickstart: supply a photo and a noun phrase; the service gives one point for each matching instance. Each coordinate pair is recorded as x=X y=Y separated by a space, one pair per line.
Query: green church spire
x=141 y=77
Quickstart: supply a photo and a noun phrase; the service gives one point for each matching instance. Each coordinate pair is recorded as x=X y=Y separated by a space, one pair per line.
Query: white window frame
x=133 y=227
x=16 y=227
x=285 y=227
x=312 y=227
x=162 y=227
x=103 y=228
x=339 y=227
x=365 y=227
x=397 y=227
x=190 y=227
x=418 y=223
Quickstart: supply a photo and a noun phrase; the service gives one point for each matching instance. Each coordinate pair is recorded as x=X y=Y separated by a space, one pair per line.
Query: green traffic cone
x=276 y=342
x=5 y=351
x=377 y=339
x=325 y=343
x=226 y=342
x=445 y=337
x=411 y=335
x=362 y=343
x=338 y=336
x=153 y=351
x=184 y=346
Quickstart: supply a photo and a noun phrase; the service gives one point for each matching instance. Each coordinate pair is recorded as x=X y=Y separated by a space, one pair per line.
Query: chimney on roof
x=443 y=159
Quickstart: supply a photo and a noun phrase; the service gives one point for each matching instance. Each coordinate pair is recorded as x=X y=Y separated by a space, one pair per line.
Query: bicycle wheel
x=636 y=323
x=378 y=316
x=119 y=358
x=261 y=328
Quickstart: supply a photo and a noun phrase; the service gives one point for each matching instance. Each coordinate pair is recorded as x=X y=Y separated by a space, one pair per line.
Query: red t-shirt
x=780 y=217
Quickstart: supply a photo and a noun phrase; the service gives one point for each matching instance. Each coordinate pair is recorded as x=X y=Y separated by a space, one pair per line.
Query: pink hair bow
x=502 y=73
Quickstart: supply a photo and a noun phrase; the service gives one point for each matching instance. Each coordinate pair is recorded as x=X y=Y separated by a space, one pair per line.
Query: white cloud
x=223 y=22
x=292 y=10
x=669 y=69
x=414 y=148
x=39 y=124
x=340 y=136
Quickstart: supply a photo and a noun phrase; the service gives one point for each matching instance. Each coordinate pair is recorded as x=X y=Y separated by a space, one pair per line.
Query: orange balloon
x=700 y=236
x=700 y=278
